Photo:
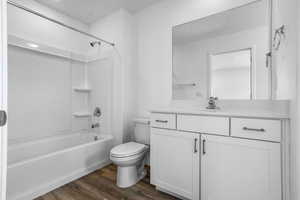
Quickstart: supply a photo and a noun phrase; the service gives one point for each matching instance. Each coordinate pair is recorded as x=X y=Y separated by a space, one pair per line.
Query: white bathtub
x=35 y=168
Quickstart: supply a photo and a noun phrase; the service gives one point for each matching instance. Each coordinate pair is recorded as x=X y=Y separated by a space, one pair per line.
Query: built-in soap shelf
x=78 y=89
x=82 y=114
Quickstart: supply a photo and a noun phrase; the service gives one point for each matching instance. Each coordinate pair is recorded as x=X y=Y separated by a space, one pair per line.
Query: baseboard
x=44 y=189
x=171 y=193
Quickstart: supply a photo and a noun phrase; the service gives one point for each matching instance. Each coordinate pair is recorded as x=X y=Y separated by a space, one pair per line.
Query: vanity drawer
x=203 y=124
x=259 y=129
x=167 y=121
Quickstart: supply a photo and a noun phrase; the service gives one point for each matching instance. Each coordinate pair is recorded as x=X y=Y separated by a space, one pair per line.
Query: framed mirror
x=225 y=55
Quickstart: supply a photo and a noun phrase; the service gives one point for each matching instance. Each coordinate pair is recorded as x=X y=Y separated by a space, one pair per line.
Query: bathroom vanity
x=216 y=155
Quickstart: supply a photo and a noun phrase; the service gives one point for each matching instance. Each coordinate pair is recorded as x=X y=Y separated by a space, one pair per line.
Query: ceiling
x=89 y=11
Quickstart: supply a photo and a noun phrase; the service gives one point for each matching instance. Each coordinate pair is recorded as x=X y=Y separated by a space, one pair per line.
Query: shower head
x=94 y=43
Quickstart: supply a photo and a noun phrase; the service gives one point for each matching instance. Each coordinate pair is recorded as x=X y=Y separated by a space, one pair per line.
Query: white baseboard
x=170 y=193
x=44 y=189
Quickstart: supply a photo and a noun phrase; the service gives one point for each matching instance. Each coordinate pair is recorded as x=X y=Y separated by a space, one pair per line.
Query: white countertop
x=265 y=114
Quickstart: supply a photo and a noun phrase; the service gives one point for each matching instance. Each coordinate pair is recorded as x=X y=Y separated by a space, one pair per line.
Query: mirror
x=224 y=55
x=226 y=70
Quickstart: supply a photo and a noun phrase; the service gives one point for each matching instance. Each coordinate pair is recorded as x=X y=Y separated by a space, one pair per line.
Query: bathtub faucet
x=96 y=125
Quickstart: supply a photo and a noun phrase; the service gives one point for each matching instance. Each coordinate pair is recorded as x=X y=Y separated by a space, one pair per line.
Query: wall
x=34 y=28
x=41 y=101
x=154 y=32
x=285 y=59
x=285 y=12
x=154 y=29
x=296 y=144
x=118 y=27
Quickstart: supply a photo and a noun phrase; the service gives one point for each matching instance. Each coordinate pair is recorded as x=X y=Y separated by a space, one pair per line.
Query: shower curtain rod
x=57 y=22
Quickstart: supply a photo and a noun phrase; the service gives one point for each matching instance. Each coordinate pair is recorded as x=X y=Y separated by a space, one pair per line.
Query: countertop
x=243 y=113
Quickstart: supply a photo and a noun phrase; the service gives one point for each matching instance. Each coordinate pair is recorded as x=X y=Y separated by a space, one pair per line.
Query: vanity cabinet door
x=175 y=162
x=239 y=169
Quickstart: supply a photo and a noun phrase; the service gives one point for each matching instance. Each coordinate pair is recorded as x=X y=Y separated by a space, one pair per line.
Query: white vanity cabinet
x=175 y=160
x=218 y=157
x=236 y=169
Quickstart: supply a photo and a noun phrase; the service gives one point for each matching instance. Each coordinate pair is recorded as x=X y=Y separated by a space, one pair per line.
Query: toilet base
x=129 y=176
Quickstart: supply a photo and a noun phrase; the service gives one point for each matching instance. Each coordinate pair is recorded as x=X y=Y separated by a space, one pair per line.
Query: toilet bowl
x=130 y=159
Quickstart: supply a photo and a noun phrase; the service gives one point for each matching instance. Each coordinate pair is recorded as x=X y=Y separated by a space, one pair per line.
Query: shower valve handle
x=3 y=118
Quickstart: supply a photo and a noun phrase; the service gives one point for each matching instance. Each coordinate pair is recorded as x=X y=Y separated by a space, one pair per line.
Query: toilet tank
x=142 y=130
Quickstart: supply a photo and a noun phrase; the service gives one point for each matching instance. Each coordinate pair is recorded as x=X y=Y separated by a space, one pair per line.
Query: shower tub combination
x=35 y=168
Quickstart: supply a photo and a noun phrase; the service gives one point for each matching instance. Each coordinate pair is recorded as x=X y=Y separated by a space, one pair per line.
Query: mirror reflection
x=226 y=70
x=224 y=55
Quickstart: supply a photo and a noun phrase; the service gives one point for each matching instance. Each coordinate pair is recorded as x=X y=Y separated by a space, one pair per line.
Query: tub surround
x=242 y=145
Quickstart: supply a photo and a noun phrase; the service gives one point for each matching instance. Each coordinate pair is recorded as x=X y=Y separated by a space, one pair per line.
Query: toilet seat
x=127 y=150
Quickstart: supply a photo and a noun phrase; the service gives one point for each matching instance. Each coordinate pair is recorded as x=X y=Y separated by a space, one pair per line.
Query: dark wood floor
x=100 y=185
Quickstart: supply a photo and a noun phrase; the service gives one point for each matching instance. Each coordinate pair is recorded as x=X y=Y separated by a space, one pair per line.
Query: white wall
x=154 y=29
x=116 y=28
x=41 y=101
x=285 y=13
x=31 y=27
x=296 y=115
x=288 y=78
x=119 y=28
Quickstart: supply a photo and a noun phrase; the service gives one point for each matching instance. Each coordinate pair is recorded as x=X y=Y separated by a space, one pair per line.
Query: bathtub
x=35 y=168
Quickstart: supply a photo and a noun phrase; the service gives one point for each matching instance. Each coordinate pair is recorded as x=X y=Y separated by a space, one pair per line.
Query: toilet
x=131 y=157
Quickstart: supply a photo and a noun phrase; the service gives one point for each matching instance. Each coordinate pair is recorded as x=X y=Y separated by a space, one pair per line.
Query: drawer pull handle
x=195 y=145
x=161 y=121
x=254 y=129
x=204 y=147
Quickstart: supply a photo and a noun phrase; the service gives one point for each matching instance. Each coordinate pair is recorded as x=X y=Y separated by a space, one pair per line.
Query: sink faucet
x=212 y=103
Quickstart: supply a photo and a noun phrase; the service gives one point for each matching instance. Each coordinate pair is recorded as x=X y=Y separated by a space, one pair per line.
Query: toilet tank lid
x=141 y=121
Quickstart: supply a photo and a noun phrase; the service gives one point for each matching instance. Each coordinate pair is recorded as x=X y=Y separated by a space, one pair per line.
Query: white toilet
x=131 y=157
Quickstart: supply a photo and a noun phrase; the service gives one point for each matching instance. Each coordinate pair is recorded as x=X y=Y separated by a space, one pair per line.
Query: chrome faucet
x=212 y=103
x=96 y=125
